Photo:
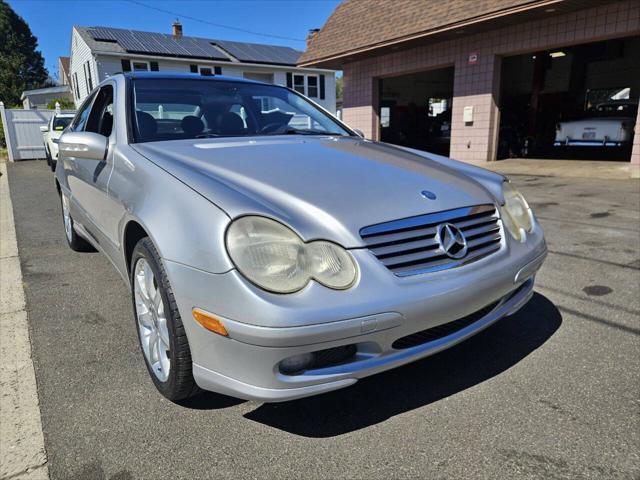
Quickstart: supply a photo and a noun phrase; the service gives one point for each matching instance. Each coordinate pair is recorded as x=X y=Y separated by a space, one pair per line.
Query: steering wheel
x=271 y=127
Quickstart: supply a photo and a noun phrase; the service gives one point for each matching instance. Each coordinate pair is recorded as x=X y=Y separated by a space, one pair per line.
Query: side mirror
x=89 y=145
x=44 y=128
x=358 y=132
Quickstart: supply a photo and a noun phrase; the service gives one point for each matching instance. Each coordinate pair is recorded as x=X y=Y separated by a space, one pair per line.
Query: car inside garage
x=578 y=102
x=415 y=110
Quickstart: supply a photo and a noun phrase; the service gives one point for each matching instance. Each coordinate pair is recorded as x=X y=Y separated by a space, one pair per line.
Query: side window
x=101 y=116
x=82 y=115
x=282 y=112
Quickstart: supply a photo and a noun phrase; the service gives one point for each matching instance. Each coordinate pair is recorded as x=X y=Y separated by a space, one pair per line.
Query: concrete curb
x=22 y=452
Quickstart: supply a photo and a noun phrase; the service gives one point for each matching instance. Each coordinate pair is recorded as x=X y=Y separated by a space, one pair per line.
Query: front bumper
x=265 y=329
x=588 y=143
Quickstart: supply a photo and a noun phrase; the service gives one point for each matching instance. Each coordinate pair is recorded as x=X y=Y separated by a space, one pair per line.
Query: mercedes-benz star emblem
x=428 y=194
x=451 y=240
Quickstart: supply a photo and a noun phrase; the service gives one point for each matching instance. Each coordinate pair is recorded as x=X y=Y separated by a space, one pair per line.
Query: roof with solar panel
x=106 y=39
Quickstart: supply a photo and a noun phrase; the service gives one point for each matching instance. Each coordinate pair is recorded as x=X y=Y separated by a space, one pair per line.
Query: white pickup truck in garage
x=609 y=124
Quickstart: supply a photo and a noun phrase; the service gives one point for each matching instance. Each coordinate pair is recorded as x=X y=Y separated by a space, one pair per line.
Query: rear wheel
x=75 y=241
x=163 y=339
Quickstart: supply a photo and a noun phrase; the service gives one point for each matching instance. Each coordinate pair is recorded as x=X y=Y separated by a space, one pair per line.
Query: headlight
x=516 y=213
x=273 y=257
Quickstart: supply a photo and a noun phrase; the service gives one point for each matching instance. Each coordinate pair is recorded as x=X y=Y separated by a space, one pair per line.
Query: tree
x=65 y=104
x=21 y=65
x=339 y=88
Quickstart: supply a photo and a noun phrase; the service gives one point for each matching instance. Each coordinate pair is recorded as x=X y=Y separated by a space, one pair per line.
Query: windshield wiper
x=208 y=135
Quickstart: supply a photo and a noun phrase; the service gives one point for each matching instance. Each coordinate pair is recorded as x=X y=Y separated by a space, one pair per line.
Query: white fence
x=22 y=132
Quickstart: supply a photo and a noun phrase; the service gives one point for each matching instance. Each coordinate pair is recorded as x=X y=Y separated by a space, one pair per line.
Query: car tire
x=52 y=164
x=161 y=333
x=75 y=241
x=47 y=156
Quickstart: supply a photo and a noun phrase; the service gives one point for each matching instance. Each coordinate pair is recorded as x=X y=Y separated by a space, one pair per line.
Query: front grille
x=410 y=246
x=441 y=331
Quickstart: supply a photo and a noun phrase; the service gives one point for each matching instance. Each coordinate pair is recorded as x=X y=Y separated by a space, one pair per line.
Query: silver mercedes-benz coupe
x=272 y=252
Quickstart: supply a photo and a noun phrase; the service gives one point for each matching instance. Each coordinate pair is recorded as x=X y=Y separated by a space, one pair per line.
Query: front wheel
x=160 y=330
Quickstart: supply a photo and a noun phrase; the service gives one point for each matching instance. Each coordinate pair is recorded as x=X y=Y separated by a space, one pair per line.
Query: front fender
x=185 y=227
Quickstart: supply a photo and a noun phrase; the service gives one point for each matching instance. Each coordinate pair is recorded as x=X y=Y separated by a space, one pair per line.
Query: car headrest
x=230 y=123
x=147 y=125
x=192 y=125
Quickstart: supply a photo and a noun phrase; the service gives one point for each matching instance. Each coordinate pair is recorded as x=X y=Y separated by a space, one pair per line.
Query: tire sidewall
x=143 y=250
x=70 y=241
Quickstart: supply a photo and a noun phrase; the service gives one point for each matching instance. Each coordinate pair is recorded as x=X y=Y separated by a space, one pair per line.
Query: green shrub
x=65 y=104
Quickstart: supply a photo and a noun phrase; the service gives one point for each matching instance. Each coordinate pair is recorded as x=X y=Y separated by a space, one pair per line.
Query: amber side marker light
x=209 y=322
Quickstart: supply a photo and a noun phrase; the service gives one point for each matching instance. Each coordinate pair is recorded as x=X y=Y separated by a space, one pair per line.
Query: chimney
x=176 y=29
x=312 y=33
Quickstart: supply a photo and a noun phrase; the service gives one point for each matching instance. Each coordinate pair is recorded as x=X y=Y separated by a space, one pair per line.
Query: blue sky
x=51 y=20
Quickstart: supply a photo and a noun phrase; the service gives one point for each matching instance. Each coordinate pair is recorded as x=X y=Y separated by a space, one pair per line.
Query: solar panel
x=102 y=34
x=194 y=47
x=252 y=52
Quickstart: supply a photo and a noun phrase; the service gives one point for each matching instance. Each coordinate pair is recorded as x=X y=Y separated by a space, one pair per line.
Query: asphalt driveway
x=551 y=392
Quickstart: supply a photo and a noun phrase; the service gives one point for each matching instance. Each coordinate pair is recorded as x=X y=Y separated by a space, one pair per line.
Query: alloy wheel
x=152 y=321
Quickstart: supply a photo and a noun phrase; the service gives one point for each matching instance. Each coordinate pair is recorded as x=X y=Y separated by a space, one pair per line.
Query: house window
x=208 y=71
x=140 y=66
x=298 y=84
x=437 y=106
x=87 y=76
x=312 y=86
x=75 y=86
x=385 y=117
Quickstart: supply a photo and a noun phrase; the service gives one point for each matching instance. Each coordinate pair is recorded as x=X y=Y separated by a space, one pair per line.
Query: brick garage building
x=473 y=42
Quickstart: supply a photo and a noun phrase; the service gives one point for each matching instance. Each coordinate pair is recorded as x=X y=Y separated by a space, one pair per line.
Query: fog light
x=296 y=363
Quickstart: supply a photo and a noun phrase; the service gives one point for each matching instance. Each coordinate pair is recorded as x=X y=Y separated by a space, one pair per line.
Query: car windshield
x=171 y=109
x=60 y=123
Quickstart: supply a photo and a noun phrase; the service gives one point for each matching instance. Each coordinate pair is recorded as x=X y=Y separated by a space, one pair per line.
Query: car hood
x=323 y=187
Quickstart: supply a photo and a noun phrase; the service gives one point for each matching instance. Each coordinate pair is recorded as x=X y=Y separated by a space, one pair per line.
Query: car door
x=70 y=182
x=88 y=177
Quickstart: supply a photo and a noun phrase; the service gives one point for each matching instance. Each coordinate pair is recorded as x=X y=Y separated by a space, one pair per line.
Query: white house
x=98 y=52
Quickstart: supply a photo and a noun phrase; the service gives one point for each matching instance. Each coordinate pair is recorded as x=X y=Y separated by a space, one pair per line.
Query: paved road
x=549 y=393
